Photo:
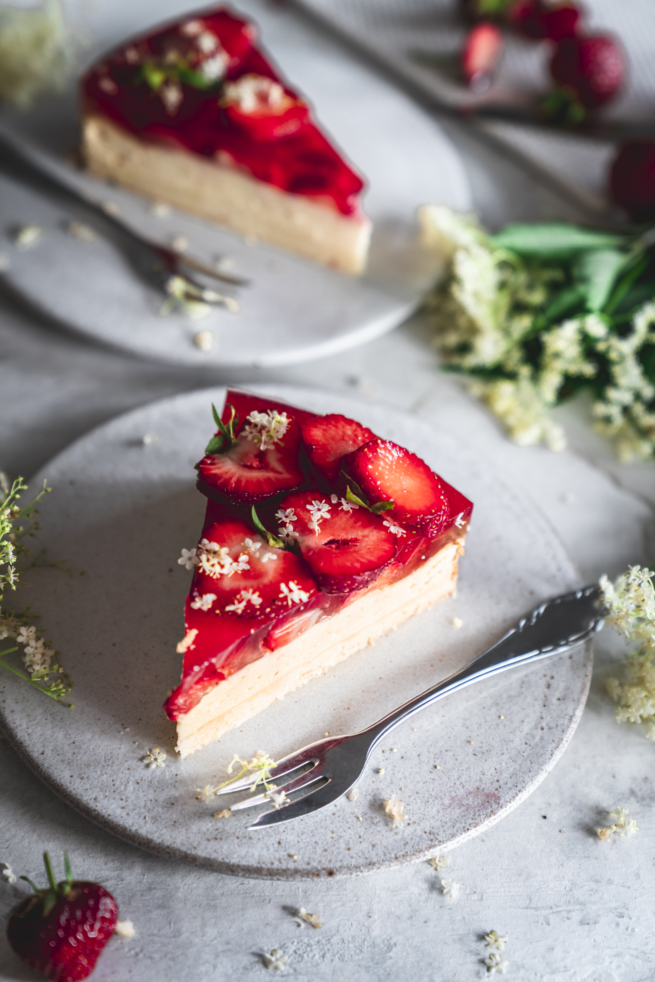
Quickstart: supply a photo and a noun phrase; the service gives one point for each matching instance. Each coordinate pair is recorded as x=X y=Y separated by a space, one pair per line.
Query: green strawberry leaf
x=272 y=540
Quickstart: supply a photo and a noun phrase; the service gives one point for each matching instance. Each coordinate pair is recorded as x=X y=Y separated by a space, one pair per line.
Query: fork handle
x=552 y=628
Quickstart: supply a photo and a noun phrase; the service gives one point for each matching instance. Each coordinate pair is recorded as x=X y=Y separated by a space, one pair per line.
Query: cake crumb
x=110 y=208
x=327 y=733
x=292 y=855
x=470 y=741
x=78 y=230
x=160 y=209
x=437 y=767
x=394 y=750
x=225 y=813
x=353 y=795
x=457 y=622
x=204 y=340
x=380 y=770
x=359 y=818
x=501 y=717
x=395 y=809
x=124 y=929
x=179 y=243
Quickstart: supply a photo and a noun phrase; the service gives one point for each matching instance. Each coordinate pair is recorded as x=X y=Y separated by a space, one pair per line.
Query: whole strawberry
x=590 y=69
x=541 y=20
x=632 y=179
x=62 y=929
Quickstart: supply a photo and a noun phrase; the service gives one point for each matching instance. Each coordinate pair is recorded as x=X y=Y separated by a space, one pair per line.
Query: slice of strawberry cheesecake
x=195 y=114
x=319 y=537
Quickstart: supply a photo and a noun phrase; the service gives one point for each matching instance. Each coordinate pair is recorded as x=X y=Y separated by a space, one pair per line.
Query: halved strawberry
x=328 y=438
x=481 y=54
x=386 y=472
x=345 y=546
x=239 y=574
x=261 y=461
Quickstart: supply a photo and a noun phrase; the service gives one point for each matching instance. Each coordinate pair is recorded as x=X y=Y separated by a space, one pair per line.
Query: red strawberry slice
x=481 y=54
x=263 y=460
x=239 y=574
x=328 y=438
x=62 y=929
x=386 y=472
x=345 y=546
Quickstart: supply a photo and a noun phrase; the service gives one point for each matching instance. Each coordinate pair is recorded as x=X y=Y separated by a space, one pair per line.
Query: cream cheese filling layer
x=226 y=195
x=330 y=641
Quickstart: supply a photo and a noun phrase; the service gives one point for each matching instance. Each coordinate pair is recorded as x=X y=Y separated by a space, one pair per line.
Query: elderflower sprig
x=17 y=524
x=630 y=602
x=537 y=312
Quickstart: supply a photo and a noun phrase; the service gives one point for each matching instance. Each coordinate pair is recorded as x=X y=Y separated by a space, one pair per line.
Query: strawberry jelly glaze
x=300 y=162
x=225 y=644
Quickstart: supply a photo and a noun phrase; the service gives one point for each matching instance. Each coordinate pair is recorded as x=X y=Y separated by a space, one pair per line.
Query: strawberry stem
x=49 y=872
x=67 y=869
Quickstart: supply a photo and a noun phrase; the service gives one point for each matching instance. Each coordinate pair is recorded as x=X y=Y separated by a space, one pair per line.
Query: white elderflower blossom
x=622 y=825
x=286 y=516
x=319 y=511
x=288 y=534
x=278 y=798
x=252 y=547
x=9 y=874
x=244 y=598
x=344 y=504
x=439 y=862
x=216 y=561
x=496 y=940
x=276 y=960
x=452 y=891
x=171 y=95
x=630 y=603
x=394 y=529
x=495 y=963
x=395 y=809
x=154 y=758
x=267 y=428
x=292 y=593
x=203 y=602
x=312 y=919
x=189 y=558
x=206 y=794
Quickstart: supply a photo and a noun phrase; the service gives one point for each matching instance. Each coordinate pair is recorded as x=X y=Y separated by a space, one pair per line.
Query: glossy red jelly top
x=202 y=84
x=251 y=593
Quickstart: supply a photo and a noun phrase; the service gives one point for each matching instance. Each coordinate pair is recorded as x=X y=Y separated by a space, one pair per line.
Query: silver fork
x=337 y=762
x=158 y=264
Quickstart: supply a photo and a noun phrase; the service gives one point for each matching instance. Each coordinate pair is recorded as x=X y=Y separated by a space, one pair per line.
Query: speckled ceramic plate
x=294 y=310
x=120 y=513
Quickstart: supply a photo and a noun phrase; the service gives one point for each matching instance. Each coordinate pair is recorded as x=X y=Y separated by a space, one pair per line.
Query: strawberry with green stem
x=62 y=929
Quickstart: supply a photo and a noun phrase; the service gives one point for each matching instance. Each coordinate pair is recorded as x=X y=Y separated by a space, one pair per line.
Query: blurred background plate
x=294 y=310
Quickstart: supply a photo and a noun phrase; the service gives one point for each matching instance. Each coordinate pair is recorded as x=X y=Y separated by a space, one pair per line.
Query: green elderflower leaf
x=554 y=240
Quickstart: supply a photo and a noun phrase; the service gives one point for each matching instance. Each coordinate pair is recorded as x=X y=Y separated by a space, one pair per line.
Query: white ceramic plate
x=294 y=310
x=121 y=512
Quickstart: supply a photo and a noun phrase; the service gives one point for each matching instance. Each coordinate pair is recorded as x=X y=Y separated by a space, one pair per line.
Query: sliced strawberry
x=481 y=54
x=240 y=575
x=345 y=546
x=245 y=402
x=386 y=472
x=328 y=438
x=261 y=462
